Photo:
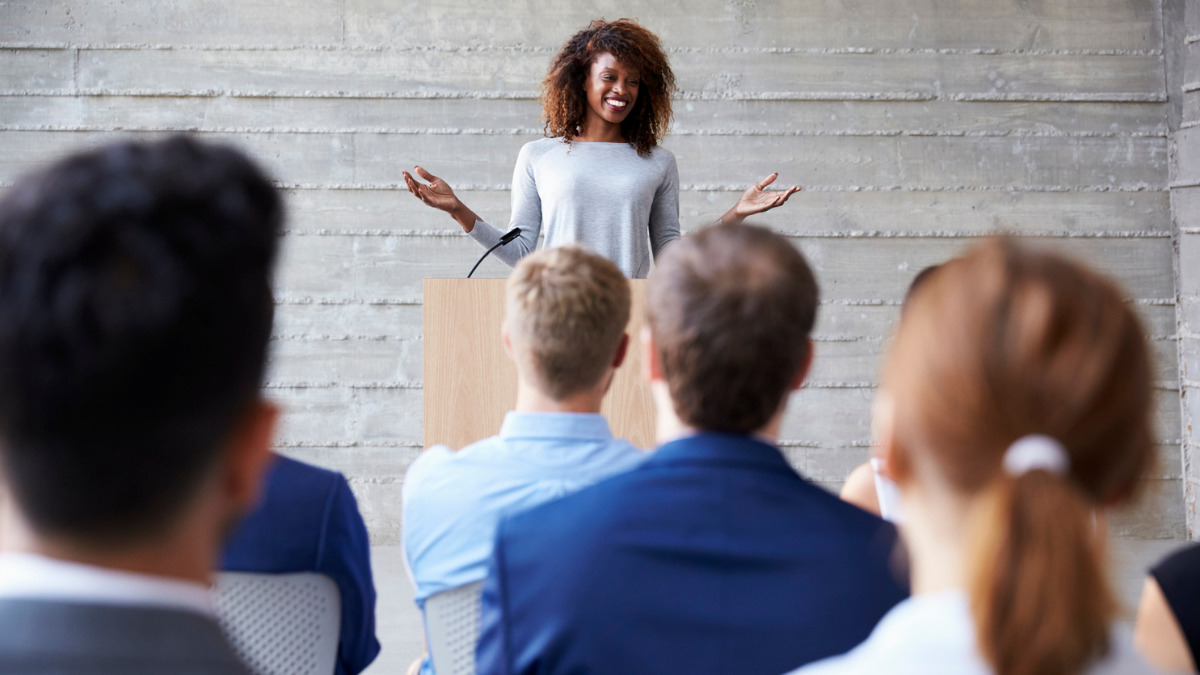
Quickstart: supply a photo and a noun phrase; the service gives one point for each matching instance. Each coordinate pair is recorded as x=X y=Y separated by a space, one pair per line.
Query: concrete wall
x=1185 y=202
x=914 y=125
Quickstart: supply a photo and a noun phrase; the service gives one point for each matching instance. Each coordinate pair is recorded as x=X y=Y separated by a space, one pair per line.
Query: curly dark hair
x=564 y=104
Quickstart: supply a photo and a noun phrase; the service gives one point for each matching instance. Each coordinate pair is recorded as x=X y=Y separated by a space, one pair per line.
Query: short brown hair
x=569 y=307
x=731 y=309
x=564 y=103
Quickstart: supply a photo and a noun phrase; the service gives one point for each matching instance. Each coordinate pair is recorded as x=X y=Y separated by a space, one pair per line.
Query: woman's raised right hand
x=439 y=195
x=436 y=194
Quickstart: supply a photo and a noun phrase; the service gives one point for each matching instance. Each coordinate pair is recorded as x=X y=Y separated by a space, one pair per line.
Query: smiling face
x=612 y=90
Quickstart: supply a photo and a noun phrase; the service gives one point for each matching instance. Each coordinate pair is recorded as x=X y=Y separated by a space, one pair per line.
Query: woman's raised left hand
x=757 y=199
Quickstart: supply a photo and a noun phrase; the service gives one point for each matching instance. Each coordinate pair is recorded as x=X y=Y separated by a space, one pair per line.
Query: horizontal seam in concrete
x=844 y=445
x=344 y=385
x=739 y=187
x=345 y=337
x=839 y=338
x=818 y=384
x=976 y=234
x=356 y=479
x=870 y=302
x=1108 y=97
x=347 y=444
x=817 y=445
x=841 y=302
x=549 y=50
x=814 y=234
x=407 y=385
x=522 y=131
x=310 y=300
x=1078 y=97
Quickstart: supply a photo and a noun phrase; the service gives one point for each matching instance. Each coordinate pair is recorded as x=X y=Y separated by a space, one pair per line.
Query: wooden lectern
x=470 y=382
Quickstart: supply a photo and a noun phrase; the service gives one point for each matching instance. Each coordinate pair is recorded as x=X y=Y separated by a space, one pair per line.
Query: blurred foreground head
x=1000 y=344
x=730 y=310
x=135 y=310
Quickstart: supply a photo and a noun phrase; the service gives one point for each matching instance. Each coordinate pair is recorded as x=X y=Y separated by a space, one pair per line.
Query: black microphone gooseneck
x=505 y=238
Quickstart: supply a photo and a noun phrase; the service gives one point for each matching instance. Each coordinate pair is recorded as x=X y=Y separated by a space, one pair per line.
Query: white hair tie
x=1036 y=452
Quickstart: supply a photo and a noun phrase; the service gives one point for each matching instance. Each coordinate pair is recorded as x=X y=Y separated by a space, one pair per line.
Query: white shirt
x=933 y=634
x=30 y=576
x=888 y=494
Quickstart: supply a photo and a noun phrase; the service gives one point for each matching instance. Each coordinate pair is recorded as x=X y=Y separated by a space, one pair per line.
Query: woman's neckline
x=576 y=140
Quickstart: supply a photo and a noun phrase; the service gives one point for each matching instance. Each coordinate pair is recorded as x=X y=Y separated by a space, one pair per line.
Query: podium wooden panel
x=470 y=382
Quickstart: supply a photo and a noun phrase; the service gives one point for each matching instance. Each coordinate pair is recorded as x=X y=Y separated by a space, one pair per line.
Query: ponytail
x=1023 y=382
x=1036 y=580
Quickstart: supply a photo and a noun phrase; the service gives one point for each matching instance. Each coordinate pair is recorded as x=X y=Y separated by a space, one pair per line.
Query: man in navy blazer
x=308 y=521
x=714 y=555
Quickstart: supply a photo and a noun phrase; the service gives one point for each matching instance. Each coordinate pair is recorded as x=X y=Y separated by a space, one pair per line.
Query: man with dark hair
x=135 y=310
x=713 y=556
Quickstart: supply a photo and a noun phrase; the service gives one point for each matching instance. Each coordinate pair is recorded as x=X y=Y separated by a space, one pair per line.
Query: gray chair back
x=281 y=624
x=452 y=629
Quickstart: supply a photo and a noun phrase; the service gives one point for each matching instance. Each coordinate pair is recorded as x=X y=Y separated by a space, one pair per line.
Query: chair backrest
x=452 y=629
x=281 y=624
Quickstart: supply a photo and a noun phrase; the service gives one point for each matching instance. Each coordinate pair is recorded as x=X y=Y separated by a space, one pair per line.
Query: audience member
x=308 y=521
x=565 y=317
x=1016 y=398
x=1168 y=620
x=868 y=486
x=135 y=310
x=713 y=556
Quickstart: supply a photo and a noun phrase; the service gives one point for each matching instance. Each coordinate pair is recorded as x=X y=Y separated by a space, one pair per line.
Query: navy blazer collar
x=715 y=448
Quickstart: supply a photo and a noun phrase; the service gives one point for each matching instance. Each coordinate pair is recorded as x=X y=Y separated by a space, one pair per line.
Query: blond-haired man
x=566 y=311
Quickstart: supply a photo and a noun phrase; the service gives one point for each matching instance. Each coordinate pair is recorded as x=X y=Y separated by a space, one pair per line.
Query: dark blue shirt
x=309 y=522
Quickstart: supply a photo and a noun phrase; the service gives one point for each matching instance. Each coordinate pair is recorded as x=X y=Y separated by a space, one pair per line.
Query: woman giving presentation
x=600 y=178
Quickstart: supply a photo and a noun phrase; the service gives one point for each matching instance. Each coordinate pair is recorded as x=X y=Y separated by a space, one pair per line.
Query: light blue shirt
x=454 y=500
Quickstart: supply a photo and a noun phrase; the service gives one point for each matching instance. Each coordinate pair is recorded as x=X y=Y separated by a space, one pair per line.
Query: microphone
x=505 y=238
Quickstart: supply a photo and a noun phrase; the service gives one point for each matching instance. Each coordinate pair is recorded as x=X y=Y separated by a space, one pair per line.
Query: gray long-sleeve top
x=602 y=195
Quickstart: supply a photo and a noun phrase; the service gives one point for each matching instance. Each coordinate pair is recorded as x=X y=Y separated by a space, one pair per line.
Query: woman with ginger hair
x=601 y=176
x=1016 y=399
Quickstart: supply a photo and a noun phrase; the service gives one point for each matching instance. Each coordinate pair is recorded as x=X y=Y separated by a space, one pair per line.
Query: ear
x=622 y=351
x=508 y=348
x=652 y=370
x=248 y=454
x=802 y=373
x=883 y=435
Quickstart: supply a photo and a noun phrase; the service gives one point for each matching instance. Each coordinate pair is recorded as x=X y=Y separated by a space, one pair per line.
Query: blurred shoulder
x=294 y=473
x=859 y=489
x=429 y=463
